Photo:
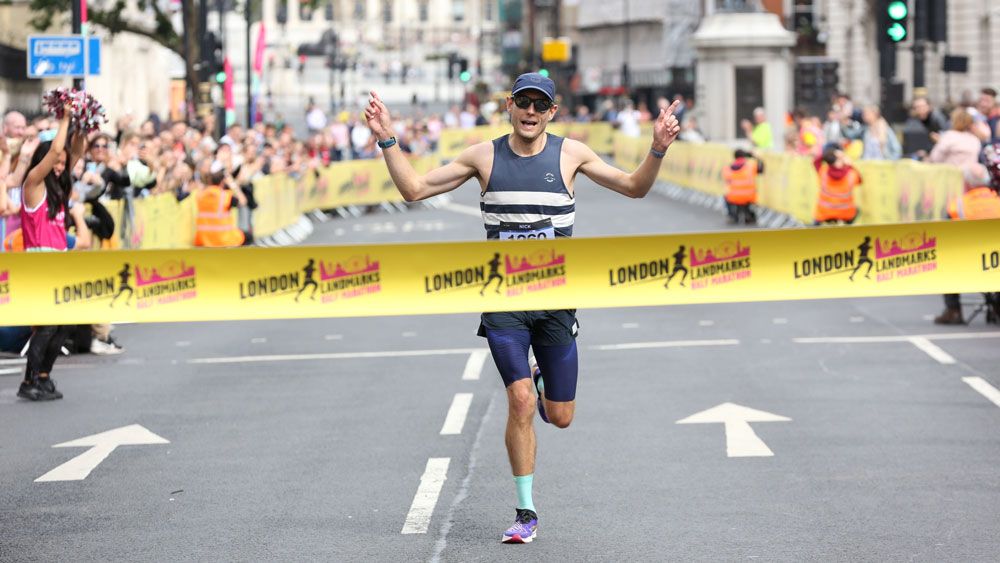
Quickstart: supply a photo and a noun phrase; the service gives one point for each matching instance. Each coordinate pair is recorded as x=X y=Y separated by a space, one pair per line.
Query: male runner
x=526 y=191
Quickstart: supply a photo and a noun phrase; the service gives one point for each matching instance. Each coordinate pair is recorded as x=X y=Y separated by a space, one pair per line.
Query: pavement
x=327 y=439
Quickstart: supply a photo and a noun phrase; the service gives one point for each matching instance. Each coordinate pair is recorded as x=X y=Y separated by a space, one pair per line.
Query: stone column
x=728 y=40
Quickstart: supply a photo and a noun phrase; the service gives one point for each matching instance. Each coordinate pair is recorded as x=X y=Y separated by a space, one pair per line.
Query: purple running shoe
x=525 y=527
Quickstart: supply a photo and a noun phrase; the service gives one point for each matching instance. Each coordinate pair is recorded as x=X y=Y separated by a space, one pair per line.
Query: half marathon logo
x=4 y=287
x=519 y=274
x=702 y=267
x=909 y=256
x=355 y=277
x=169 y=282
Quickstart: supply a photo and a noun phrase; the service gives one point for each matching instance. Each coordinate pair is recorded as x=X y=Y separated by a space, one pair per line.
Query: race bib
x=527 y=231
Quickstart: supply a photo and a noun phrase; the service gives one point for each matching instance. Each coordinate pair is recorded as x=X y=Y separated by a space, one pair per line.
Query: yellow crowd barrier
x=397 y=279
x=891 y=192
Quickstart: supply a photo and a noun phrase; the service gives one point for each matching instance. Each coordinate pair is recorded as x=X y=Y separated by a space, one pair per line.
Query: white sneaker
x=103 y=348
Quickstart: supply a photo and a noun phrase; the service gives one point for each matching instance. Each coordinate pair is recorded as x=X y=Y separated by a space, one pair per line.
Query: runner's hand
x=666 y=128
x=378 y=118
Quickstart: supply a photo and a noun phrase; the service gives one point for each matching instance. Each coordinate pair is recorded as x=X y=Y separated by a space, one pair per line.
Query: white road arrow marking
x=741 y=441
x=101 y=445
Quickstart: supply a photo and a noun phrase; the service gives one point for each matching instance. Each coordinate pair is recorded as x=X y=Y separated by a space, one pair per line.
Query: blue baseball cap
x=535 y=81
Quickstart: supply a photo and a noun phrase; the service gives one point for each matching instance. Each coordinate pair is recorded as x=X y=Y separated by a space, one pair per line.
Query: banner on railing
x=402 y=279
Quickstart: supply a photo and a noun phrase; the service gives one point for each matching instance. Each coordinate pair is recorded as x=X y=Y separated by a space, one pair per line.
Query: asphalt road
x=286 y=443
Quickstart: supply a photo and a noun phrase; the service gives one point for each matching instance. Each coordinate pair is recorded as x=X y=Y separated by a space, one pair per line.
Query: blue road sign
x=62 y=55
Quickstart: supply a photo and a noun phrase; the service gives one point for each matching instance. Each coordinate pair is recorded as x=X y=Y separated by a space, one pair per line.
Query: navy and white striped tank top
x=527 y=189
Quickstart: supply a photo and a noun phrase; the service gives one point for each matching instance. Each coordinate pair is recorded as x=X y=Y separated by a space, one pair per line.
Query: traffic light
x=544 y=72
x=897 y=22
x=465 y=76
x=213 y=56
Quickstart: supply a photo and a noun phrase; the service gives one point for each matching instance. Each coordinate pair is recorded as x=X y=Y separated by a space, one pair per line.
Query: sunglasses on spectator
x=100 y=146
x=541 y=104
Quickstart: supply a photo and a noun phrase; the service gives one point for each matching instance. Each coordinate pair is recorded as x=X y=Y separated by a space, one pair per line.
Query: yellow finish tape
x=404 y=279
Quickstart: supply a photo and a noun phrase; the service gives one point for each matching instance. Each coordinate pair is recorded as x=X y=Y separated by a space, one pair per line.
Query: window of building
x=387 y=11
x=360 y=9
x=423 y=10
x=458 y=10
x=489 y=9
x=330 y=11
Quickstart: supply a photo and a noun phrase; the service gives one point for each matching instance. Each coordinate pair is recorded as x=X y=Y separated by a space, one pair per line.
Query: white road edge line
x=898 y=338
x=984 y=389
x=474 y=367
x=258 y=340
x=418 y=519
x=10 y=371
x=13 y=361
x=457 y=412
x=463 y=209
x=666 y=344
x=332 y=356
x=932 y=350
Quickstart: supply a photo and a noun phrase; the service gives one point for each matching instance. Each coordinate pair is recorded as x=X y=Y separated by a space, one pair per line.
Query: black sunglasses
x=541 y=104
x=98 y=146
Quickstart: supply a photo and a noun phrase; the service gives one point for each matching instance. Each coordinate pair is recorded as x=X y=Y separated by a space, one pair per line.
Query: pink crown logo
x=351 y=267
x=168 y=271
x=538 y=260
x=729 y=250
x=912 y=242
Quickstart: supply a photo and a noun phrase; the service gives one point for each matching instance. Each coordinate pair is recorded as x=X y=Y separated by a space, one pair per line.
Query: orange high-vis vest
x=215 y=225
x=741 y=185
x=977 y=203
x=836 y=197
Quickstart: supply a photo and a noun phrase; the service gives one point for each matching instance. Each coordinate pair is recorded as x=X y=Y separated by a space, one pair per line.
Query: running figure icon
x=123 y=286
x=678 y=267
x=308 y=271
x=494 y=274
x=865 y=248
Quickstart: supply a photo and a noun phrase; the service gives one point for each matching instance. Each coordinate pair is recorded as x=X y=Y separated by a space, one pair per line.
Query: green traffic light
x=220 y=77
x=896 y=32
x=544 y=72
x=897 y=10
x=465 y=76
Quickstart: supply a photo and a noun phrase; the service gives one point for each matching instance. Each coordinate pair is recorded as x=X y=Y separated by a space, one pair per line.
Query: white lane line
x=419 y=517
x=706 y=323
x=333 y=337
x=457 y=413
x=928 y=317
x=183 y=343
x=10 y=371
x=780 y=321
x=474 y=367
x=857 y=319
x=463 y=209
x=13 y=361
x=630 y=325
x=932 y=350
x=666 y=344
x=409 y=334
x=463 y=488
x=258 y=340
x=984 y=388
x=895 y=338
x=331 y=356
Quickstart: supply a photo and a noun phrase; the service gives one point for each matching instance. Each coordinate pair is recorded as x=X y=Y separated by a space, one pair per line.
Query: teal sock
x=523 y=483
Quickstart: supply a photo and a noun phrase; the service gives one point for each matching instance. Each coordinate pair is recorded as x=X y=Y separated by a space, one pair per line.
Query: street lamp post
x=625 y=76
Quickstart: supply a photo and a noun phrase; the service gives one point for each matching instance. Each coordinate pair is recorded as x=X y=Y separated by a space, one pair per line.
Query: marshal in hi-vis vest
x=836 y=196
x=741 y=184
x=215 y=224
x=977 y=203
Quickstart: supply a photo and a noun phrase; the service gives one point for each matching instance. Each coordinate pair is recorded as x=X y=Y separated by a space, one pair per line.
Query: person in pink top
x=958 y=146
x=45 y=197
